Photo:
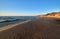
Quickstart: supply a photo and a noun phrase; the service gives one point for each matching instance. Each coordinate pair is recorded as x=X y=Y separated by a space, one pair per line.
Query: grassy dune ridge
x=40 y=28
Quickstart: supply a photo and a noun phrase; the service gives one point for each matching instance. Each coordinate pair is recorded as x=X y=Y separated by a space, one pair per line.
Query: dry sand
x=40 y=28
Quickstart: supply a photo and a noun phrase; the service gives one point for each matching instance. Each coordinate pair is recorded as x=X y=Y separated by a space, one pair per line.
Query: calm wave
x=6 y=20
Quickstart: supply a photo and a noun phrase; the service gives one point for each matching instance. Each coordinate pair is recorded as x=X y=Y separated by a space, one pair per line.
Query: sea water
x=7 y=20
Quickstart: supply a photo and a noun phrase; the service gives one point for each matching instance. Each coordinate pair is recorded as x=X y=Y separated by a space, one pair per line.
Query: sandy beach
x=40 y=28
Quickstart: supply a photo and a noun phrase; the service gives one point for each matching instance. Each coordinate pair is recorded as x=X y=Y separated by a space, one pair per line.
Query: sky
x=28 y=7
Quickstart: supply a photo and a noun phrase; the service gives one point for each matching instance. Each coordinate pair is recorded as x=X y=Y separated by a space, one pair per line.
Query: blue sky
x=28 y=7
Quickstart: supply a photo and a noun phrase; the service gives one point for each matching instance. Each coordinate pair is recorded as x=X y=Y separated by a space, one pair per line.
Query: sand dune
x=40 y=28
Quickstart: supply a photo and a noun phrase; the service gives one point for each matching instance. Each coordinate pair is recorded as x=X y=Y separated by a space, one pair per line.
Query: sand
x=40 y=28
x=12 y=25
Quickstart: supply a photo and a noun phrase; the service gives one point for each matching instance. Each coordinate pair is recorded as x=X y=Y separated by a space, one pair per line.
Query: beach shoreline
x=12 y=25
x=40 y=28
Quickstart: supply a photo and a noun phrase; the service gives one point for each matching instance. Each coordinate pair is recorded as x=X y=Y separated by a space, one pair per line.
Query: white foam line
x=13 y=25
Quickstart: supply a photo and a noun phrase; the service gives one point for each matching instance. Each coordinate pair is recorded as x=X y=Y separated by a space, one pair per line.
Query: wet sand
x=40 y=28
